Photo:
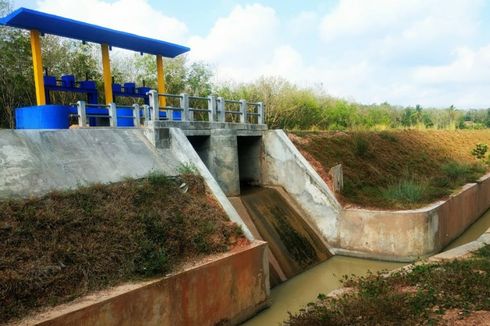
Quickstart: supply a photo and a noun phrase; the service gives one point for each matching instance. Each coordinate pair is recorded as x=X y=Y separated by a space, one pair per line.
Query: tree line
x=288 y=106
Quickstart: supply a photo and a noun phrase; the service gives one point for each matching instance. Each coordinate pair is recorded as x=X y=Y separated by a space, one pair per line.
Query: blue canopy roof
x=56 y=25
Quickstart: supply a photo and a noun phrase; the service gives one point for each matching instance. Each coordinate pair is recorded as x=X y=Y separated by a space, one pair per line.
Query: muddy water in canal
x=323 y=278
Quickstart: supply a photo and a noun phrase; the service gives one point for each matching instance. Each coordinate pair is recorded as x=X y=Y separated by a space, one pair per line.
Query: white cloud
x=428 y=52
x=133 y=16
x=240 y=44
x=407 y=47
x=409 y=19
x=469 y=66
x=305 y=22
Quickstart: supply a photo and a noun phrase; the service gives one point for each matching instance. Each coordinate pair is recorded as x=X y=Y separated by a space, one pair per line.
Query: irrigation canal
x=295 y=293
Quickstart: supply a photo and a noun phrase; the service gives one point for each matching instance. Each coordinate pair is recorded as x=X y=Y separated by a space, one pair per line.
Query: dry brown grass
x=374 y=160
x=65 y=244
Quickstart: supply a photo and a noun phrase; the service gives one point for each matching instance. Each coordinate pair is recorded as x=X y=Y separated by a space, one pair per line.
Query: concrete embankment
x=36 y=161
x=226 y=290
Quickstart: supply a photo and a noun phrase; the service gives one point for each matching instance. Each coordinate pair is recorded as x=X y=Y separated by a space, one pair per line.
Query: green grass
x=419 y=296
x=458 y=174
x=405 y=191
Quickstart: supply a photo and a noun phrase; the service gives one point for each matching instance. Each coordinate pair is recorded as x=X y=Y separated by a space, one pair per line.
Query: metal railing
x=216 y=108
x=210 y=109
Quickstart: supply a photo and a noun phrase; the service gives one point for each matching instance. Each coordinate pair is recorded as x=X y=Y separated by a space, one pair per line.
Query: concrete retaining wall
x=34 y=162
x=283 y=165
x=409 y=234
x=227 y=290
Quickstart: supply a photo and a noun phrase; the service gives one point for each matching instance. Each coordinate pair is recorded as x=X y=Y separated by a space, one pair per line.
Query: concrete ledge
x=409 y=234
x=464 y=250
x=368 y=255
x=203 y=128
x=226 y=289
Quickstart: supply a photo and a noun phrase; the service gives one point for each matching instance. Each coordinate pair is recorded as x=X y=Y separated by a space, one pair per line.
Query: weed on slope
x=66 y=244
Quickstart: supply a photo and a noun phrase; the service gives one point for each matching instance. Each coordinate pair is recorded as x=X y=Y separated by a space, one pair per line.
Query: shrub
x=405 y=192
x=361 y=146
x=458 y=174
x=187 y=168
x=480 y=151
x=388 y=136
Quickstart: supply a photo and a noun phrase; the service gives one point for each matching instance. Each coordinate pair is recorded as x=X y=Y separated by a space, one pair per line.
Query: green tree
x=180 y=77
x=16 y=81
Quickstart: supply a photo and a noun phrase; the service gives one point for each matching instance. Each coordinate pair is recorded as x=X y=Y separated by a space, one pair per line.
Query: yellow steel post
x=161 y=80
x=106 y=72
x=37 y=64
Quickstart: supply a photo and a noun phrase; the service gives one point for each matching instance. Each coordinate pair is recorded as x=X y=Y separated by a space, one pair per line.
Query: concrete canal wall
x=225 y=290
x=409 y=234
x=381 y=234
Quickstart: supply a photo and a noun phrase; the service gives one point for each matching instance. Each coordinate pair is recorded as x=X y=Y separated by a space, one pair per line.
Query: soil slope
x=66 y=244
x=430 y=164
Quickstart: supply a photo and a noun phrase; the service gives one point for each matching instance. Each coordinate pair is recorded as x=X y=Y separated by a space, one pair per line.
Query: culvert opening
x=249 y=162
x=201 y=145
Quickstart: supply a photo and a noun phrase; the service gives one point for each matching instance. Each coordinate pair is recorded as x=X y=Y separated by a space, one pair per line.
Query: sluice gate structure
x=259 y=178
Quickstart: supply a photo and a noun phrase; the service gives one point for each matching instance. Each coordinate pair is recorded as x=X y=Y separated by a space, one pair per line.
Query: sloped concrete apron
x=283 y=165
x=463 y=250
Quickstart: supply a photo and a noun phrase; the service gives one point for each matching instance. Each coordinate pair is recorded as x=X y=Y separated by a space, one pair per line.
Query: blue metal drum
x=43 y=117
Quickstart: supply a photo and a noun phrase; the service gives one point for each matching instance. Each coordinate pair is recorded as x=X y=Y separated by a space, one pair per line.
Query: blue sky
x=407 y=52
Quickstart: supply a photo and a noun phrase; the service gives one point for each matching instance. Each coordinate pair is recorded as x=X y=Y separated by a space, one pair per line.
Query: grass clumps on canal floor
x=435 y=293
x=397 y=169
x=66 y=244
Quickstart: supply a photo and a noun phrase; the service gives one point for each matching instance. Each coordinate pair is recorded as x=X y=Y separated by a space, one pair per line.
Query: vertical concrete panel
x=385 y=234
x=223 y=160
x=483 y=194
x=227 y=291
x=459 y=212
